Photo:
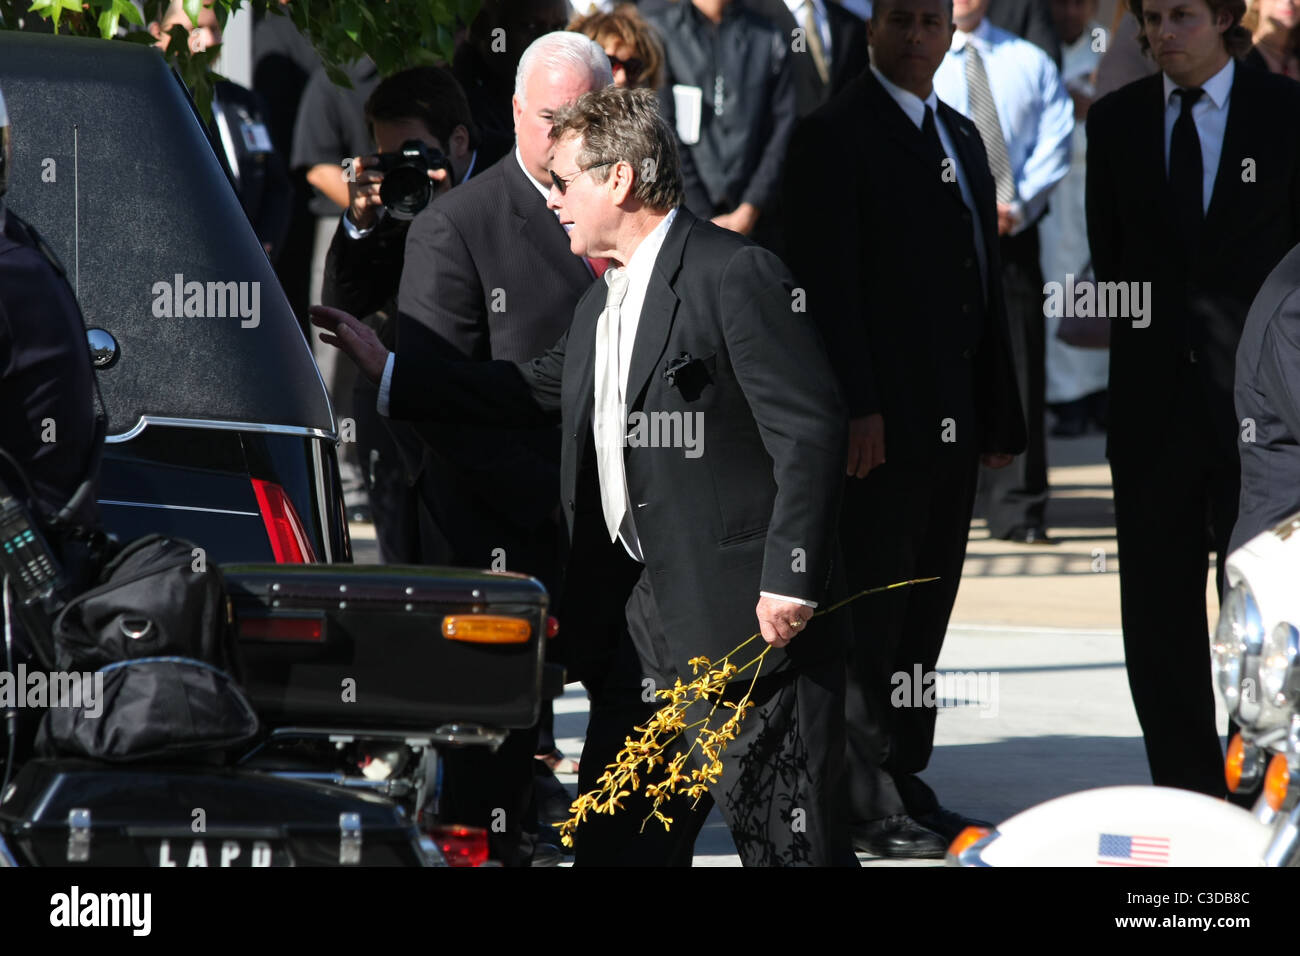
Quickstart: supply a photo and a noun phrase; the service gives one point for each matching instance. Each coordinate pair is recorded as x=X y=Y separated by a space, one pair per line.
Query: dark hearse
x=220 y=432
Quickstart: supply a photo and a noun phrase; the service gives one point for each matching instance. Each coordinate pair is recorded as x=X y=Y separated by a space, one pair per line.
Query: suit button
x=570 y=504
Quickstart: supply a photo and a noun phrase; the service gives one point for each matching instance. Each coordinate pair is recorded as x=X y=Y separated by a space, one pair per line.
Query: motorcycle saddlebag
x=73 y=812
x=389 y=647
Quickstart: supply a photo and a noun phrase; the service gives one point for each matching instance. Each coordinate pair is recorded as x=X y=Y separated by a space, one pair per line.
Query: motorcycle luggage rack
x=450 y=735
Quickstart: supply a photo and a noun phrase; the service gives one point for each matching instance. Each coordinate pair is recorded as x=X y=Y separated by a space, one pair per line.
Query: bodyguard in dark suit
x=820 y=70
x=696 y=323
x=1194 y=188
x=1267 y=399
x=905 y=279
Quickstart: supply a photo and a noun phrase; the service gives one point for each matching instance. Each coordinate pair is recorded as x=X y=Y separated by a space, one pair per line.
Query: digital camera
x=406 y=187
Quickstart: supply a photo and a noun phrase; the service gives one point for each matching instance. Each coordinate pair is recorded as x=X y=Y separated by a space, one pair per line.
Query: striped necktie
x=985 y=114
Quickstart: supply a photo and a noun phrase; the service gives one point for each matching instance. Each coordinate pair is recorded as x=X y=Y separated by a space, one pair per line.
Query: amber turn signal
x=1276 y=782
x=966 y=838
x=485 y=629
x=1235 y=762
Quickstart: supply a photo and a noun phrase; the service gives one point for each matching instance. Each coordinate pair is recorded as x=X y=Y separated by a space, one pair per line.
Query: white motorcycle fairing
x=1124 y=827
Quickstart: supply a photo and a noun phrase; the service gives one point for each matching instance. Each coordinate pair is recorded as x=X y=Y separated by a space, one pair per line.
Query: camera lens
x=405 y=191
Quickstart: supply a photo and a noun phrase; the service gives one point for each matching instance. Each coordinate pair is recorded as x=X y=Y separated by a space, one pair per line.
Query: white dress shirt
x=914 y=107
x=1210 y=114
x=1034 y=110
x=820 y=17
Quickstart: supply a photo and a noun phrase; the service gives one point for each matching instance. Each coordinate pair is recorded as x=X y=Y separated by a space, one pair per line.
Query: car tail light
x=486 y=629
x=289 y=541
x=282 y=628
x=462 y=846
x=552 y=626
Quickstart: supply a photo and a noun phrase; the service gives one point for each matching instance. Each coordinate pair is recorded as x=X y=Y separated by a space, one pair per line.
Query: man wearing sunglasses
x=686 y=547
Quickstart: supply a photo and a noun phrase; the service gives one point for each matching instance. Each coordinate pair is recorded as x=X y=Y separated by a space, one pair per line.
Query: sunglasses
x=563 y=184
x=631 y=67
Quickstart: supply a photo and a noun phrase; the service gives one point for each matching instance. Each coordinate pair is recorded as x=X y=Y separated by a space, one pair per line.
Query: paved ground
x=1051 y=713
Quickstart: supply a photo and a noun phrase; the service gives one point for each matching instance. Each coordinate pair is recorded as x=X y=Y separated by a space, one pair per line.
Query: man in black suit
x=1030 y=20
x=1193 y=196
x=907 y=285
x=833 y=50
x=693 y=324
x=363 y=269
x=1267 y=399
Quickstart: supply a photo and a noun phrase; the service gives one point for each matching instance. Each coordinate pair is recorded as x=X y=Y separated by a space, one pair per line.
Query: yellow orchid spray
x=623 y=777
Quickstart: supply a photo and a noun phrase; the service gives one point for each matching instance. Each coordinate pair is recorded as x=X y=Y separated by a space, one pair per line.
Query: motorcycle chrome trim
x=219 y=425
x=446 y=734
x=148 y=504
x=349 y=839
x=78 y=835
x=972 y=856
x=428 y=850
x=7 y=858
x=1284 y=848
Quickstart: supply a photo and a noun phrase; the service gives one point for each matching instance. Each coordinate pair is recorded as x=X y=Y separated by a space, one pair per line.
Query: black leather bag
x=152 y=708
x=149 y=601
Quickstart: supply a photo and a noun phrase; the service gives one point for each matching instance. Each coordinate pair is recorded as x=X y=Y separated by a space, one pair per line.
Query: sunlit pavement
x=1041 y=705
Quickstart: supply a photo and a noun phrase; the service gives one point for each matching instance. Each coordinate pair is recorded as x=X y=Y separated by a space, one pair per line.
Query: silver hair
x=564 y=50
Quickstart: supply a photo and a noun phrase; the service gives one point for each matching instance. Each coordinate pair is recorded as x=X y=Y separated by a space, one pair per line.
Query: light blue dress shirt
x=1210 y=114
x=1034 y=110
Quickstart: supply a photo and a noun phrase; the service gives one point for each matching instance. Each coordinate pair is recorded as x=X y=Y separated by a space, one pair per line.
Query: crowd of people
x=908 y=190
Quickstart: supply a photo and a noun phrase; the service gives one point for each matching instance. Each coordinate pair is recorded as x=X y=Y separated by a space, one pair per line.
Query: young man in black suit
x=1193 y=188
x=696 y=324
x=819 y=69
x=907 y=284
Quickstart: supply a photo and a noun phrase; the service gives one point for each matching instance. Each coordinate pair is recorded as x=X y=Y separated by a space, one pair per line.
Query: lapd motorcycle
x=361 y=676
x=1256 y=654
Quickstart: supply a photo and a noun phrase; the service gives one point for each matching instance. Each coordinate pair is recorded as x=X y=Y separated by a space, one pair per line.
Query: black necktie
x=947 y=166
x=1185 y=170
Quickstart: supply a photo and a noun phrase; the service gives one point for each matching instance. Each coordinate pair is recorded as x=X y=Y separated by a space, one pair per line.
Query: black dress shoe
x=948 y=823
x=898 y=837
x=1028 y=534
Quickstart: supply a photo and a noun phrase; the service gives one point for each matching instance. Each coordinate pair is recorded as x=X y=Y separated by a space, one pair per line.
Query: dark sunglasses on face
x=632 y=67
x=563 y=184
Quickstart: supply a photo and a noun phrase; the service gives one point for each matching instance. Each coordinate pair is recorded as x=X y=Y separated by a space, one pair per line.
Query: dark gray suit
x=1267 y=397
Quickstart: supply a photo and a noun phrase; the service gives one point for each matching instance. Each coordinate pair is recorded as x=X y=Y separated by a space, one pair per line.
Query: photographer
x=419 y=120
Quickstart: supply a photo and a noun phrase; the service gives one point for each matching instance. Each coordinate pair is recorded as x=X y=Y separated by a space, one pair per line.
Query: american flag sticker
x=1116 y=850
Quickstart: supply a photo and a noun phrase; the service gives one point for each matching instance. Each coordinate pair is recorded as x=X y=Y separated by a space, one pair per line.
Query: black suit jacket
x=488 y=273
x=849 y=55
x=883 y=278
x=1030 y=20
x=756 y=509
x=1199 y=297
x=1268 y=401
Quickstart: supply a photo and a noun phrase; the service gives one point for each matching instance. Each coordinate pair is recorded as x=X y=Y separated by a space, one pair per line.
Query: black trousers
x=780 y=788
x=1017 y=494
x=1167 y=491
x=900 y=522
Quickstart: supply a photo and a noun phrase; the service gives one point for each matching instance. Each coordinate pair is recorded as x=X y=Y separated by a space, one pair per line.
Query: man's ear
x=624 y=177
x=517 y=108
x=458 y=145
x=155 y=30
